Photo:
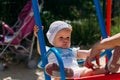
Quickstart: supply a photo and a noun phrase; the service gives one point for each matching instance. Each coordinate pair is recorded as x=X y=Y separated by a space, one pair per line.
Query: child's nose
x=65 y=40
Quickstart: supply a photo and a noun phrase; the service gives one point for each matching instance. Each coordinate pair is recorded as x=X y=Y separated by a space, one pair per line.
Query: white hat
x=54 y=28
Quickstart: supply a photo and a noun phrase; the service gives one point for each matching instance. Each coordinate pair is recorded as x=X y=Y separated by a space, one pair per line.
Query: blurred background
x=80 y=14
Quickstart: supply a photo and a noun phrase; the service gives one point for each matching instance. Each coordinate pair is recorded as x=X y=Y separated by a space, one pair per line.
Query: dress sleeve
x=75 y=51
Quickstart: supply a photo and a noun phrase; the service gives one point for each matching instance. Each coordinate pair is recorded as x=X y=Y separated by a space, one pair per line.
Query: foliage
x=116 y=27
x=79 y=13
x=85 y=33
x=10 y=9
x=69 y=10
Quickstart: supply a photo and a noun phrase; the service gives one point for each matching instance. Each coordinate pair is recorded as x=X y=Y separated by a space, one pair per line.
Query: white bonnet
x=54 y=28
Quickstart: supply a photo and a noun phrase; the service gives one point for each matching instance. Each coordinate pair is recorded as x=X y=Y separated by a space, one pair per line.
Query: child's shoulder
x=68 y=49
x=75 y=48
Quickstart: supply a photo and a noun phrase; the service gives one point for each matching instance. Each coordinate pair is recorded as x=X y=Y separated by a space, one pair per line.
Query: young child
x=59 y=35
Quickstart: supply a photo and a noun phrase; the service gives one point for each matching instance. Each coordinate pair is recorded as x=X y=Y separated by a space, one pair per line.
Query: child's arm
x=82 y=54
x=35 y=34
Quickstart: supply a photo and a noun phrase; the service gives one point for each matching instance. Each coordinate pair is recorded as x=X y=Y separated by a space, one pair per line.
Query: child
x=59 y=35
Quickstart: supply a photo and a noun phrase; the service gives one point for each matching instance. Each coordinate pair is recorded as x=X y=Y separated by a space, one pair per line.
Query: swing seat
x=115 y=76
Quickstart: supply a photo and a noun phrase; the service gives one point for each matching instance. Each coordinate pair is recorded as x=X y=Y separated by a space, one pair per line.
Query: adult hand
x=94 y=54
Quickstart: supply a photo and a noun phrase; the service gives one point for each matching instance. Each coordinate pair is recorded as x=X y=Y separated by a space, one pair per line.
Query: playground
x=20 y=71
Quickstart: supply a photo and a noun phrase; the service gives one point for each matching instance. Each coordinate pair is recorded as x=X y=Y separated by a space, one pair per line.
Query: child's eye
x=61 y=38
x=68 y=37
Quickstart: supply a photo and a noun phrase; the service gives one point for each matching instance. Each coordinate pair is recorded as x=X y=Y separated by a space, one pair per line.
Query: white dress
x=69 y=57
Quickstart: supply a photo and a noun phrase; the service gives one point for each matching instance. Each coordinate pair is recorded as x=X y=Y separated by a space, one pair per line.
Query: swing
x=45 y=54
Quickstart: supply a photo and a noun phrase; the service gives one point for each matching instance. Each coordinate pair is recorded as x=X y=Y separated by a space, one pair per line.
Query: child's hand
x=35 y=34
x=35 y=30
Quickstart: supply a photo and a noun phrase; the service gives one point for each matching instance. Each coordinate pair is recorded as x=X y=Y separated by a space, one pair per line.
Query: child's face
x=62 y=39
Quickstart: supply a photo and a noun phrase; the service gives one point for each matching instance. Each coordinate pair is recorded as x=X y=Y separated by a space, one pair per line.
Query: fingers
x=36 y=28
x=94 y=54
x=88 y=63
x=97 y=61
